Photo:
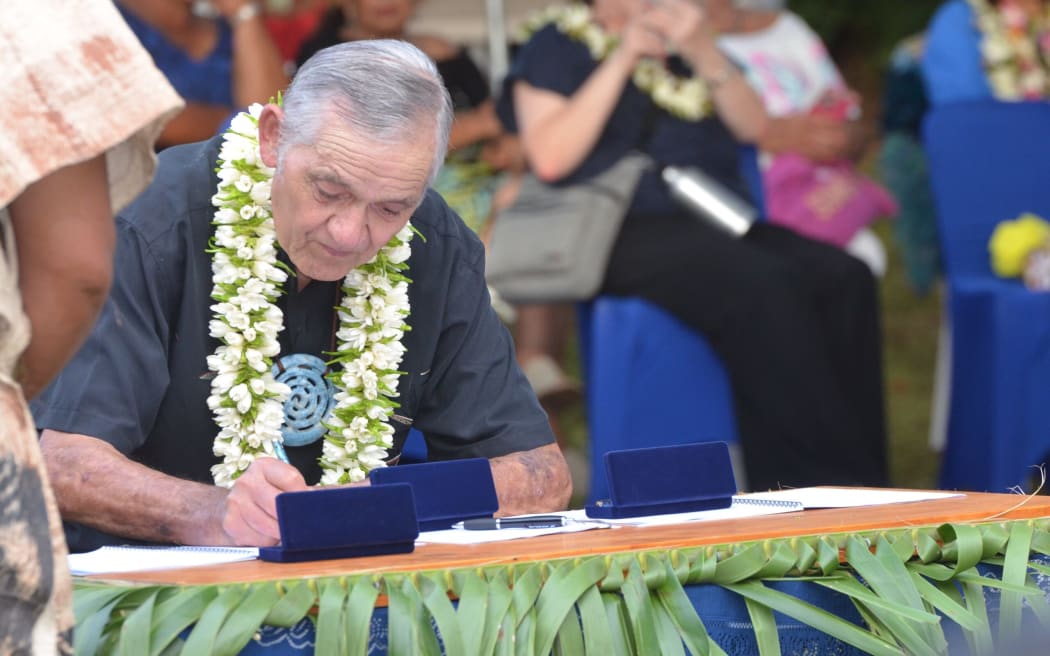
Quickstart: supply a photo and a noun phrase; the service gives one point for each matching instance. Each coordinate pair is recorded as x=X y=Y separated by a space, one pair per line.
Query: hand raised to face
x=656 y=28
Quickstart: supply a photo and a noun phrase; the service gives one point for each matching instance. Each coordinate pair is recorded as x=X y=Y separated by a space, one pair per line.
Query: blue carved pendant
x=311 y=398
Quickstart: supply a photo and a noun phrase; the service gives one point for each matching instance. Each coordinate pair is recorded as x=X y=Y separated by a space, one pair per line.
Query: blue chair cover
x=989 y=162
x=650 y=380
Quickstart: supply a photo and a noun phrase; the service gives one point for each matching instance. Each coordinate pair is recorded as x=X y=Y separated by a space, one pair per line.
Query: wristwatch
x=245 y=12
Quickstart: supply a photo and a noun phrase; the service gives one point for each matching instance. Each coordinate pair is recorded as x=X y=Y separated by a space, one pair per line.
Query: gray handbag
x=553 y=243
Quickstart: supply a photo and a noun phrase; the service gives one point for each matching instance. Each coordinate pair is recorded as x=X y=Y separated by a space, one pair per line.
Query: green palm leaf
x=819 y=619
x=357 y=615
x=176 y=613
x=202 y=638
x=293 y=605
x=619 y=627
x=1015 y=572
x=597 y=634
x=239 y=627
x=563 y=587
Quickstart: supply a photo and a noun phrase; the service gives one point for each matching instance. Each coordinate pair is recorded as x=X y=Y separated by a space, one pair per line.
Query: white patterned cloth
x=74 y=83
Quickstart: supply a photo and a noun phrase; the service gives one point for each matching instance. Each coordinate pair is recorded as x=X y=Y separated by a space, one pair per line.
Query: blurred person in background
x=984 y=49
x=290 y=23
x=795 y=321
x=814 y=126
x=217 y=54
x=79 y=150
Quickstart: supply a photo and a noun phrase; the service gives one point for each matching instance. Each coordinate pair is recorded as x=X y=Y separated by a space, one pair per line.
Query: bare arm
x=474 y=125
x=557 y=133
x=64 y=230
x=98 y=486
x=258 y=72
x=532 y=481
x=196 y=122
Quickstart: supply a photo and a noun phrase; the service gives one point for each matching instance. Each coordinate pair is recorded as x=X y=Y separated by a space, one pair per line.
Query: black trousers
x=796 y=324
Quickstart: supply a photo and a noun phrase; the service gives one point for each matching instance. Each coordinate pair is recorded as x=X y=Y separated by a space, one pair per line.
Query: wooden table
x=615 y=558
x=971 y=508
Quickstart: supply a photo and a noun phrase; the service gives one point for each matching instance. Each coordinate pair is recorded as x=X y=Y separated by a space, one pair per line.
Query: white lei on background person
x=246 y=399
x=687 y=98
x=1017 y=66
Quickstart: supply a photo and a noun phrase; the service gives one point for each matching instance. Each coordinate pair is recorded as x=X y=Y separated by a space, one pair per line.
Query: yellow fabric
x=1013 y=241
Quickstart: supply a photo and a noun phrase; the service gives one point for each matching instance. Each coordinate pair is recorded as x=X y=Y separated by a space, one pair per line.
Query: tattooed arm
x=532 y=481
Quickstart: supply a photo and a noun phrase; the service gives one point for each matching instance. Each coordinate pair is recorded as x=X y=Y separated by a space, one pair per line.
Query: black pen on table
x=493 y=523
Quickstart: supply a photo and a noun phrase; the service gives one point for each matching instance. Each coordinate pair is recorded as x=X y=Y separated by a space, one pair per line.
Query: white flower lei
x=1015 y=50
x=248 y=403
x=686 y=98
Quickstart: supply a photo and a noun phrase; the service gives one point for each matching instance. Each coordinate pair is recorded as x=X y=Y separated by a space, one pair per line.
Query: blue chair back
x=989 y=161
x=651 y=380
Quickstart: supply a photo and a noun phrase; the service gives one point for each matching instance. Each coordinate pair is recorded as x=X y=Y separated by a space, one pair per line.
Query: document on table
x=579 y=521
x=130 y=558
x=849 y=497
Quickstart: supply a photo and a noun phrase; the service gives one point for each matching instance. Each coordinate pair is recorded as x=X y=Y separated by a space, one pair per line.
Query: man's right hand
x=249 y=514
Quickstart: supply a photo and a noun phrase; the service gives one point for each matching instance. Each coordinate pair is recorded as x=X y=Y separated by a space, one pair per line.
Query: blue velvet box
x=666 y=479
x=344 y=522
x=446 y=491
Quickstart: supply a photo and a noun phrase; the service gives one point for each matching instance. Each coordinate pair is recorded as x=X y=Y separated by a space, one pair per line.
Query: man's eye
x=390 y=210
x=326 y=194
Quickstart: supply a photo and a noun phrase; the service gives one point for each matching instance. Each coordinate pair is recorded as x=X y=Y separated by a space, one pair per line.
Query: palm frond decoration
x=909 y=586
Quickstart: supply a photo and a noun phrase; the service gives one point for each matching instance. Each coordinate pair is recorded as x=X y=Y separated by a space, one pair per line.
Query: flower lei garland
x=686 y=98
x=247 y=402
x=1015 y=48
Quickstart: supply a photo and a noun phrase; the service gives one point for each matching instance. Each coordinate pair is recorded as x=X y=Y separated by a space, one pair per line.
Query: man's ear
x=269 y=133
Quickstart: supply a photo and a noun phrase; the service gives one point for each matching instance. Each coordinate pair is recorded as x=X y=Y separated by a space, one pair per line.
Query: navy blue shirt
x=141 y=380
x=552 y=61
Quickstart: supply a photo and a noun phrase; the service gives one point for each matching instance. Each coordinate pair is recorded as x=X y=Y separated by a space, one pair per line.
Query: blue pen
x=282 y=455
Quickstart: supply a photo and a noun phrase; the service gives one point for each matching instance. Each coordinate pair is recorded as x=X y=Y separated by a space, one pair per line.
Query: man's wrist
x=246 y=12
x=713 y=67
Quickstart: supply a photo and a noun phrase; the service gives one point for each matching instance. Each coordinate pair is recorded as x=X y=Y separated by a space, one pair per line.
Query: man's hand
x=249 y=515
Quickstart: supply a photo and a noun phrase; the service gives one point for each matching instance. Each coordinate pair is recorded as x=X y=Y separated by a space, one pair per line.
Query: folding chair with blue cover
x=989 y=162
x=650 y=380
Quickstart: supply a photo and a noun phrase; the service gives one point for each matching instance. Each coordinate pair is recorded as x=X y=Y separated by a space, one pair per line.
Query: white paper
x=121 y=559
x=848 y=497
x=581 y=522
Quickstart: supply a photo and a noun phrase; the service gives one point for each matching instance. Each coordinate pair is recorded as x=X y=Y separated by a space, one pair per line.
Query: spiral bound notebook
x=129 y=558
x=742 y=507
x=786 y=504
x=847 y=497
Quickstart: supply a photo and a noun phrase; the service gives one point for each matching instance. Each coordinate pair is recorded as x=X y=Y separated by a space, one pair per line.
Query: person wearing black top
x=128 y=434
x=794 y=321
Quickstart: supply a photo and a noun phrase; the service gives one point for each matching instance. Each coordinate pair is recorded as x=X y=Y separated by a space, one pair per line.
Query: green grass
x=909 y=329
x=909 y=337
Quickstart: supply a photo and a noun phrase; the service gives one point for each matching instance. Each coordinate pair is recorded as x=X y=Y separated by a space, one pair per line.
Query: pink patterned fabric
x=828 y=202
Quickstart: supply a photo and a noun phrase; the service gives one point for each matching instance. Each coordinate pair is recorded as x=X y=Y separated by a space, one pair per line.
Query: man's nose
x=349 y=229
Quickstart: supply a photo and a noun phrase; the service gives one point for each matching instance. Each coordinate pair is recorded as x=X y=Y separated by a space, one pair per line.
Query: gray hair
x=382 y=88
